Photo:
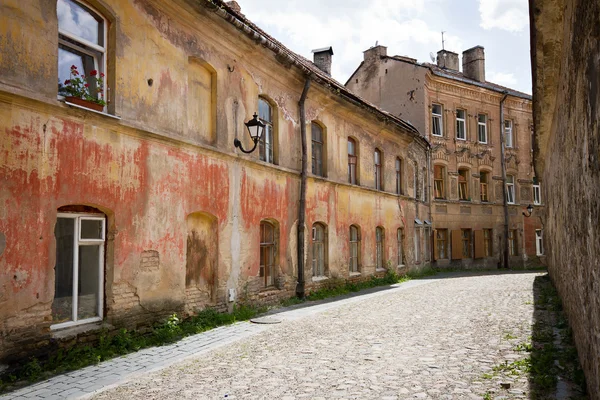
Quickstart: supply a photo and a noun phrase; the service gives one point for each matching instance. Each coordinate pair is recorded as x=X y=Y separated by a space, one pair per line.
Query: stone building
x=120 y=216
x=460 y=114
x=566 y=66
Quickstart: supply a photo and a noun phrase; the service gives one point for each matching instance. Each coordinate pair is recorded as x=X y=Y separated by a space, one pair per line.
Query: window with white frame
x=539 y=242
x=537 y=195
x=482 y=128
x=508 y=133
x=267 y=140
x=510 y=189
x=79 y=269
x=461 y=131
x=81 y=44
x=436 y=120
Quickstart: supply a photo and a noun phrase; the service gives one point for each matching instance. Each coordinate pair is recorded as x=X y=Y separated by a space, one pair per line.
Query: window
x=539 y=243
x=378 y=170
x=427 y=244
x=537 y=195
x=319 y=249
x=267 y=253
x=82 y=43
x=482 y=128
x=441 y=244
x=436 y=120
x=425 y=184
x=267 y=140
x=484 y=178
x=463 y=186
x=398 y=176
x=487 y=242
x=354 y=249
x=438 y=181
x=416 y=182
x=508 y=133
x=400 y=240
x=79 y=269
x=379 y=246
x=466 y=243
x=461 y=132
x=352 y=161
x=317 y=150
x=417 y=245
x=512 y=242
x=510 y=189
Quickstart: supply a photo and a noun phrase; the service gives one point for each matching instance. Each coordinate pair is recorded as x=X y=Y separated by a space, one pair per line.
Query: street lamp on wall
x=255 y=129
x=529 y=211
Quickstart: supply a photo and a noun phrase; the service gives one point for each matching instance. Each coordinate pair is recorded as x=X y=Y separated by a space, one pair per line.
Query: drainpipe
x=302 y=205
x=503 y=164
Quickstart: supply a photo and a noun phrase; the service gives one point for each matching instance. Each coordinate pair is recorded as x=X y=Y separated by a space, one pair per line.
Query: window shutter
x=435 y=245
x=479 y=245
x=456 y=245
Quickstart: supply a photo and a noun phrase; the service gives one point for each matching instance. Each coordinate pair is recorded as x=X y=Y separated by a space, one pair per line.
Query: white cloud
x=502 y=78
x=509 y=15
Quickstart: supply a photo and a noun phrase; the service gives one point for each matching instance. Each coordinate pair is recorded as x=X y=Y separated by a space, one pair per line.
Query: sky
x=406 y=27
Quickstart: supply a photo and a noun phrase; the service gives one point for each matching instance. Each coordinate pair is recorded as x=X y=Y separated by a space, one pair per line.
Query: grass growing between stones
x=121 y=342
x=550 y=355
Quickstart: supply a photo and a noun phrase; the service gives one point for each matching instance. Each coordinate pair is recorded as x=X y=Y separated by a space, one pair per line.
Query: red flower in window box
x=84 y=91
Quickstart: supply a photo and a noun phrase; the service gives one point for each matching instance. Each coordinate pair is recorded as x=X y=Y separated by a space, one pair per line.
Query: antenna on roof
x=443 y=40
x=432 y=56
x=376 y=43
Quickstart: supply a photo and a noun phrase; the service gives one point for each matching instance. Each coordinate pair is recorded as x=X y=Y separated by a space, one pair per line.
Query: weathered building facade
x=566 y=66
x=460 y=114
x=120 y=216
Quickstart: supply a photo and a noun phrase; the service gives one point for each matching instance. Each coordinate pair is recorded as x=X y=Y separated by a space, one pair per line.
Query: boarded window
x=466 y=243
x=317 y=150
x=457 y=252
x=267 y=253
x=479 y=245
x=487 y=242
x=354 y=249
x=201 y=102
x=512 y=242
x=319 y=250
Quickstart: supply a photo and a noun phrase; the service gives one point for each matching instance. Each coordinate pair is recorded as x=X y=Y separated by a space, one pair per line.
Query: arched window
x=267 y=253
x=463 y=184
x=354 y=249
x=81 y=49
x=79 y=268
x=318 y=150
x=352 y=161
x=319 y=252
x=398 y=176
x=267 y=141
x=484 y=178
x=377 y=158
x=379 y=246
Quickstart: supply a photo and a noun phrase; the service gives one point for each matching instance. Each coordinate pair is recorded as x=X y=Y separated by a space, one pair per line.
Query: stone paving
x=430 y=338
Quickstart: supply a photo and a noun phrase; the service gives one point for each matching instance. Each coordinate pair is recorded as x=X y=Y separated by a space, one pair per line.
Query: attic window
x=357 y=81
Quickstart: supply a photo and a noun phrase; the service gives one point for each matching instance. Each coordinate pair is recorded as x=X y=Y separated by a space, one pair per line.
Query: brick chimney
x=473 y=63
x=447 y=59
x=374 y=53
x=322 y=59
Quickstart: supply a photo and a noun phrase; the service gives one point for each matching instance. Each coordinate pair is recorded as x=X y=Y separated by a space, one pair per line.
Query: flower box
x=84 y=103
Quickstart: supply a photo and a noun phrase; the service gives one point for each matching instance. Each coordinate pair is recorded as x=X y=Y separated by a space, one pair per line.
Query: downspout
x=503 y=164
x=302 y=205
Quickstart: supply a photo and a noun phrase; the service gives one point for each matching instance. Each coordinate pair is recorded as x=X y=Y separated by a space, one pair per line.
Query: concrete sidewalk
x=90 y=380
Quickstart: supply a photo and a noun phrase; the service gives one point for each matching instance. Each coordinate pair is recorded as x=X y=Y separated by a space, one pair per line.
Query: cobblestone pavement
x=434 y=340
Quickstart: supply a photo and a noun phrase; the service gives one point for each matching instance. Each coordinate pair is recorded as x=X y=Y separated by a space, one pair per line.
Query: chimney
x=322 y=59
x=375 y=53
x=447 y=59
x=473 y=63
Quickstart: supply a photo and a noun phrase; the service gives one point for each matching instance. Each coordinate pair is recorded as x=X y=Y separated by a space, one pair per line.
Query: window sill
x=353 y=274
x=92 y=111
x=380 y=269
x=62 y=331
x=319 y=278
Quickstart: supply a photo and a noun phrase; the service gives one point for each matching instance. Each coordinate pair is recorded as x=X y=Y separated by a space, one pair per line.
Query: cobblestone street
x=435 y=340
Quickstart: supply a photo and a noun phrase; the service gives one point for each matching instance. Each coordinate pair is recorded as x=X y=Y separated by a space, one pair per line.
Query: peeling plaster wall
x=165 y=160
x=566 y=67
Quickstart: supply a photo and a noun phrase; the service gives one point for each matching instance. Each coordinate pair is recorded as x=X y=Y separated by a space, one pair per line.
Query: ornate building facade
x=460 y=114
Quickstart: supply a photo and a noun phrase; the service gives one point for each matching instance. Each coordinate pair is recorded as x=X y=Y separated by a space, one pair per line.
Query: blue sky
x=407 y=27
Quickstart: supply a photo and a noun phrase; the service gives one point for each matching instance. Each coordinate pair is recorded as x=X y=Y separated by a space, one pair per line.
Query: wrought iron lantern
x=256 y=129
x=529 y=211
